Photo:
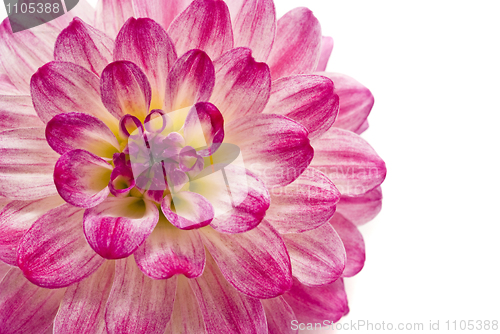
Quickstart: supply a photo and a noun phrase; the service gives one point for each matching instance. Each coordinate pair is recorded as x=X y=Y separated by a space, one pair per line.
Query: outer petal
x=296 y=49
x=242 y=85
x=306 y=203
x=255 y=262
x=83 y=305
x=279 y=316
x=356 y=102
x=112 y=14
x=71 y=131
x=125 y=89
x=224 y=309
x=26 y=164
x=208 y=25
x=307 y=99
x=138 y=304
x=169 y=251
x=254 y=26
x=187 y=210
x=326 y=51
x=191 y=80
x=145 y=43
x=353 y=243
x=318 y=256
x=60 y=87
x=118 y=226
x=360 y=210
x=16 y=111
x=4 y=269
x=315 y=304
x=349 y=161
x=82 y=178
x=25 y=307
x=84 y=45
x=274 y=147
x=186 y=317
x=16 y=218
x=158 y=10
x=54 y=252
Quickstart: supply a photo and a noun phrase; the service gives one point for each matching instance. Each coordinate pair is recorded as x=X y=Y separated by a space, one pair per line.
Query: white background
x=434 y=69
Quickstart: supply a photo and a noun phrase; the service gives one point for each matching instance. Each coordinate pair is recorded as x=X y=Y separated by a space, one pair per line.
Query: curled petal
x=138 y=304
x=255 y=262
x=125 y=89
x=353 y=243
x=296 y=49
x=84 y=45
x=191 y=80
x=208 y=25
x=187 y=210
x=118 y=226
x=81 y=178
x=190 y=160
x=361 y=209
x=204 y=128
x=121 y=181
x=169 y=251
x=242 y=85
x=307 y=99
x=54 y=252
x=279 y=316
x=326 y=51
x=16 y=111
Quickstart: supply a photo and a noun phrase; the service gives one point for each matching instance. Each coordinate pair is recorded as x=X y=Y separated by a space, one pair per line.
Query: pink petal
x=145 y=43
x=242 y=85
x=71 y=131
x=254 y=26
x=224 y=309
x=158 y=10
x=169 y=251
x=112 y=14
x=186 y=317
x=16 y=218
x=274 y=147
x=6 y=85
x=356 y=102
x=362 y=128
x=296 y=49
x=187 y=210
x=349 y=161
x=315 y=304
x=16 y=111
x=208 y=25
x=54 y=252
x=125 y=89
x=118 y=226
x=82 y=178
x=279 y=316
x=353 y=243
x=84 y=45
x=361 y=209
x=254 y=262
x=307 y=99
x=305 y=204
x=83 y=305
x=26 y=164
x=60 y=87
x=191 y=80
x=204 y=128
x=25 y=307
x=318 y=256
x=4 y=269
x=138 y=304
x=326 y=51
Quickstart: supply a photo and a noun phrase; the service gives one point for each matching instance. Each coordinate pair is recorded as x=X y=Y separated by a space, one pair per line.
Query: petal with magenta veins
x=169 y=251
x=187 y=210
x=208 y=25
x=279 y=316
x=204 y=128
x=159 y=11
x=121 y=181
x=242 y=85
x=16 y=111
x=71 y=131
x=82 y=178
x=297 y=46
x=191 y=80
x=307 y=99
x=84 y=45
x=353 y=243
x=112 y=14
x=190 y=161
x=255 y=262
x=361 y=209
x=54 y=252
x=326 y=51
x=145 y=43
x=118 y=226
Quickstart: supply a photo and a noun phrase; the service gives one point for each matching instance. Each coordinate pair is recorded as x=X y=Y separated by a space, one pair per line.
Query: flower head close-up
x=179 y=167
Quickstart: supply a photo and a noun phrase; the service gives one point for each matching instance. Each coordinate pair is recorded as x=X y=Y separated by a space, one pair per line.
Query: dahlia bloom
x=179 y=167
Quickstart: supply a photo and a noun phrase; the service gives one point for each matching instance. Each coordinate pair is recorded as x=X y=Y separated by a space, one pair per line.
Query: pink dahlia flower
x=179 y=167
